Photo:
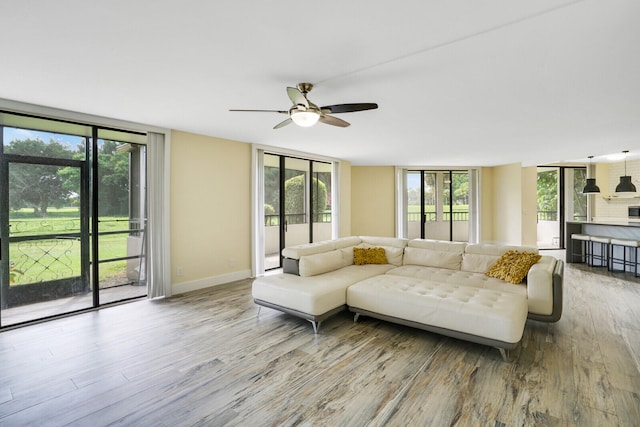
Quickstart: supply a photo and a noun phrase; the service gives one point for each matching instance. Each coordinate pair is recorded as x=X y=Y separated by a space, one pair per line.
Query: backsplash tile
x=617 y=208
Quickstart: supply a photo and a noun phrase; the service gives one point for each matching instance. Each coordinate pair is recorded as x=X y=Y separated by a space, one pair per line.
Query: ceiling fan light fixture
x=305 y=119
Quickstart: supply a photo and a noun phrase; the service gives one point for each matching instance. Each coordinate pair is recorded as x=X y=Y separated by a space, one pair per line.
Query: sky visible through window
x=16 y=134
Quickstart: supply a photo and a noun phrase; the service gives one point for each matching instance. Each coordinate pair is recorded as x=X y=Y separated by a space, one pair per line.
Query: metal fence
x=272 y=220
x=547 y=215
x=553 y=216
x=432 y=216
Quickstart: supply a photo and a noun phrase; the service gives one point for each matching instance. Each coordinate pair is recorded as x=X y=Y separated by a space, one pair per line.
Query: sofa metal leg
x=504 y=353
x=316 y=326
x=355 y=318
x=259 y=308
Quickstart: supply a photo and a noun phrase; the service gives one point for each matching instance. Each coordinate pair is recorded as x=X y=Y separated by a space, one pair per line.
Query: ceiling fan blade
x=333 y=121
x=264 y=111
x=283 y=123
x=297 y=97
x=348 y=108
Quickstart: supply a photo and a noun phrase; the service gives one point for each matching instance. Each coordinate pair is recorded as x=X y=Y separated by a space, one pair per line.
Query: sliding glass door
x=45 y=236
x=560 y=199
x=72 y=218
x=297 y=209
x=121 y=228
x=437 y=205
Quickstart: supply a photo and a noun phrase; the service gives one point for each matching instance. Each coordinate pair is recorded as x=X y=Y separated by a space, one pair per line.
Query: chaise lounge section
x=316 y=276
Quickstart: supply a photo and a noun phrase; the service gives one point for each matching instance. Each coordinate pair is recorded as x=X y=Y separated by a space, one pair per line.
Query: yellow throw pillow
x=362 y=256
x=513 y=266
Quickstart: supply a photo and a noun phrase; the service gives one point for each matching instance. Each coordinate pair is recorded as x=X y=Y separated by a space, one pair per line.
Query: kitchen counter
x=619 y=228
x=614 y=221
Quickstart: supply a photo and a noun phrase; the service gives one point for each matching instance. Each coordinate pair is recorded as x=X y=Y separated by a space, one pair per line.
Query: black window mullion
x=311 y=207
x=94 y=218
x=450 y=205
x=283 y=217
x=423 y=213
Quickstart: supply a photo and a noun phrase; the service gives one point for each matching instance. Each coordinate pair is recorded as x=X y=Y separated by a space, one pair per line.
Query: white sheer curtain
x=257 y=207
x=159 y=261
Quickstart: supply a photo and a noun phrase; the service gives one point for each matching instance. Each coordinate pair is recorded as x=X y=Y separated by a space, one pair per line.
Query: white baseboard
x=207 y=282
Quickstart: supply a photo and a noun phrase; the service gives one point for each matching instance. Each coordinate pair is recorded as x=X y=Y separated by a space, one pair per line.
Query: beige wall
x=211 y=207
x=345 y=199
x=210 y=210
x=514 y=208
x=373 y=200
x=507 y=204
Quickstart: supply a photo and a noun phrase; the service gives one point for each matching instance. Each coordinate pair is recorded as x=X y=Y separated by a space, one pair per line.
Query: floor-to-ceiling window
x=72 y=217
x=297 y=204
x=559 y=199
x=437 y=204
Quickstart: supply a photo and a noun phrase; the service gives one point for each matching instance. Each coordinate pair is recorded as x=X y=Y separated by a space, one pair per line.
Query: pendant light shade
x=625 y=185
x=591 y=186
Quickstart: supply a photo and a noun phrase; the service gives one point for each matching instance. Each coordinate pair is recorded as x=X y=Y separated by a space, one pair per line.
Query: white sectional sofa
x=433 y=285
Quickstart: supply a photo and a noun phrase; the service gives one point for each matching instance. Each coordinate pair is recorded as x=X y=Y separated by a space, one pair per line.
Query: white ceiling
x=459 y=82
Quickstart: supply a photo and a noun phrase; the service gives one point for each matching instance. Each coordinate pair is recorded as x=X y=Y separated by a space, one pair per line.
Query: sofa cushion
x=513 y=266
x=438 y=245
x=394 y=255
x=298 y=251
x=458 y=277
x=384 y=241
x=346 y=242
x=434 y=253
x=480 y=312
x=362 y=256
x=312 y=265
x=479 y=258
x=393 y=247
x=314 y=295
x=478 y=263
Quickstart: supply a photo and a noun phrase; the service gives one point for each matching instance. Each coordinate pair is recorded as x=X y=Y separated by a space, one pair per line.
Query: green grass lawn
x=60 y=258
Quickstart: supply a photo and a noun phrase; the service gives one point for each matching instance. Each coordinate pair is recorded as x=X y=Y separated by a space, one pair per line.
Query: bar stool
x=603 y=256
x=585 y=247
x=625 y=244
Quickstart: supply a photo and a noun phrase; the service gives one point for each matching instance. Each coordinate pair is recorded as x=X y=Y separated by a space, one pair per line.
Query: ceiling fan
x=305 y=113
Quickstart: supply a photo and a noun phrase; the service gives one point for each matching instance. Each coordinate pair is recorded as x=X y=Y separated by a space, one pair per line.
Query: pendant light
x=591 y=186
x=625 y=185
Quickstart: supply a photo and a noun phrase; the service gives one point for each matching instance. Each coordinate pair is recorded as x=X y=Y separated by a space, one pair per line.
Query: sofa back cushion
x=434 y=253
x=393 y=247
x=312 y=265
x=345 y=242
x=298 y=251
x=479 y=258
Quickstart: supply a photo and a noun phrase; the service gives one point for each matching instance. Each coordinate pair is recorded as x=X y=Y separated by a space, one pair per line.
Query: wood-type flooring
x=205 y=359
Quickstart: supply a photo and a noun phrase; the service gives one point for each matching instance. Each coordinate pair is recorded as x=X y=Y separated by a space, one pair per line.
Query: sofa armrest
x=540 y=286
x=544 y=289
